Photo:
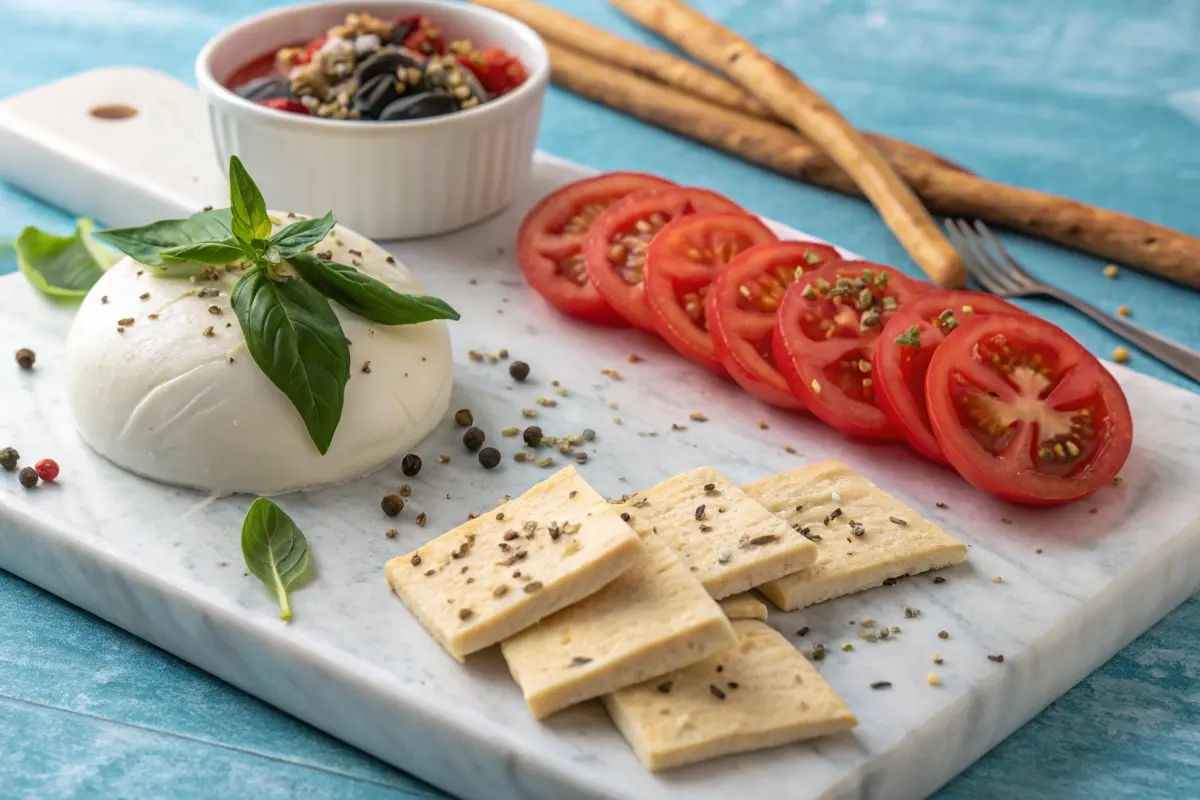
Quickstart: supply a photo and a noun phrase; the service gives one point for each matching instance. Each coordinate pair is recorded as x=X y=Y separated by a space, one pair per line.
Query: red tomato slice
x=905 y=348
x=615 y=250
x=425 y=36
x=497 y=71
x=682 y=261
x=825 y=336
x=742 y=304
x=550 y=242
x=1023 y=412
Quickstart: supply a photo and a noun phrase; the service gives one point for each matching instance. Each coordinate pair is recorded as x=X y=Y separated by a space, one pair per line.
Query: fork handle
x=1183 y=359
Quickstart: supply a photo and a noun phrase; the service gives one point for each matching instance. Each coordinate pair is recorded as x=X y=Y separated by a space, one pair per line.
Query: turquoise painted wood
x=1095 y=99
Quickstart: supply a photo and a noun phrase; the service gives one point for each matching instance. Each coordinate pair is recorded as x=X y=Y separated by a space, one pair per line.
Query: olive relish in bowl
x=372 y=69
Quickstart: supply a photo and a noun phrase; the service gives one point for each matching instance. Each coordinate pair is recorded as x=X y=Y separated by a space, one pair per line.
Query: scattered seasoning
x=411 y=464
x=716 y=691
x=532 y=587
x=528 y=413
x=696 y=416
x=500 y=591
x=997 y=579
x=940 y=504
x=911 y=613
x=896 y=628
x=616 y=420
x=611 y=374
x=881 y=685
x=999 y=659
x=1038 y=551
x=1110 y=271
x=724 y=555
x=762 y=425
x=473 y=439
x=889 y=581
x=125 y=322
x=366 y=367
x=1006 y=520
x=943 y=635
x=420 y=519
x=26 y=357
x=392 y=504
x=544 y=462
x=28 y=477
x=9 y=458
x=465 y=614
x=521 y=456
x=812 y=537
x=665 y=687
x=532 y=436
x=208 y=332
x=937 y=658
x=510 y=432
x=939 y=579
x=803 y=631
x=847 y=647
x=816 y=386
x=898 y=521
x=868 y=622
x=787 y=448
x=699 y=512
x=625 y=516
x=475 y=355
x=519 y=370
x=765 y=539
x=1120 y=355
x=934 y=680
x=731 y=685
x=884 y=633
x=429 y=572
x=579 y=661
x=837 y=512
x=47 y=469
x=1117 y=481
x=489 y=457
x=443 y=459
x=675 y=426
x=546 y=402
x=581 y=458
x=857 y=529
x=1124 y=311
x=104 y=300
x=416 y=558
x=818 y=652
x=464 y=417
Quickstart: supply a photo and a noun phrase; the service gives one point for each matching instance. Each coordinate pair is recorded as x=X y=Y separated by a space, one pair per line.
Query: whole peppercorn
x=392 y=504
x=532 y=436
x=464 y=417
x=28 y=477
x=473 y=439
x=489 y=457
x=9 y=458
x=47 y=469
x=411 y=464
x=26 y=357
x=519 y=370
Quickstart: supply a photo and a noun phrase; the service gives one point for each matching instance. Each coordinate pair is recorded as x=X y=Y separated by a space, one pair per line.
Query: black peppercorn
x=532 y=436
x=464 y=417
x=28 y=477
x=26 y=357
x=519 y=370
x=411 y=464
x=489 y=457
x=9 y=458
x=392 y=504
x=473 y=439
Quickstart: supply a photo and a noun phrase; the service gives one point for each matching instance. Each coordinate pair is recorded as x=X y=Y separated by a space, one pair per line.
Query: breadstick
x=1108 y=234
x=793 y=101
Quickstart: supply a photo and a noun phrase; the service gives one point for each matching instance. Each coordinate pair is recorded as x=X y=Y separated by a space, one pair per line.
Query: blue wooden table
x=1095 y=99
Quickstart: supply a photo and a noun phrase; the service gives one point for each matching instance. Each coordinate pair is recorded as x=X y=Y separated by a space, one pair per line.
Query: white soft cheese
x=168 y=402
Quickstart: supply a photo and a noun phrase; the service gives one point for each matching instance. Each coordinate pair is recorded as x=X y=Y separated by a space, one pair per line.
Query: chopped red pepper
x=285 y=104
x=496 y=70
x=311 y=49
x=425 y=36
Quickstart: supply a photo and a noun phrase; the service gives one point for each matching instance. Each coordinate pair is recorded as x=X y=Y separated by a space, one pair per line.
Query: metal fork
x=995 y=270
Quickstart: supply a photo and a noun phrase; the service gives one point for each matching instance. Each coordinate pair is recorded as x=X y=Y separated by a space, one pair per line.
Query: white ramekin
x=386 y=180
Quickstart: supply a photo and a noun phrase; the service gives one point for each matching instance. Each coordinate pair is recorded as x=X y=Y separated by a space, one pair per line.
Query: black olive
x=384 y=61
x=401 y=31
x=489 y=457
x=418 y=106
x=458 y=81
x=473 y=439
x=265 y=89
x=375 y=95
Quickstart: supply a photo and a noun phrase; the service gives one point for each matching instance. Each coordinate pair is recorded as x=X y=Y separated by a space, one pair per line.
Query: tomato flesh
x=682 y=261
x=615 y=250
x=824 y=341
x=741 y=307
x=551 y=238
x=497 y=71
x=905 y=348
x=1022 y=411
x=424 y=35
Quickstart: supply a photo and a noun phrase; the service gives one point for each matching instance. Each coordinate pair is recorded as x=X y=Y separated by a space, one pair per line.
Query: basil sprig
x=275 y=550
x=61 y=266
x=290 y=327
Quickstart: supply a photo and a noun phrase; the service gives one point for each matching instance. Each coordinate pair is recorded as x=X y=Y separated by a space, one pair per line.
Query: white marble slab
x=165 y=563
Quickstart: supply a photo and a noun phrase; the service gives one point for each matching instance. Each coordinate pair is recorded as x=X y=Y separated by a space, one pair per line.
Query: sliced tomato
x=311 y=49
x=682 y=261
x=550 y=242
x=1023 y=412
x=615 y=250
x=497 y=71
x=424 y=36
x=825 y=336
x=905 y=348
x=741 y=307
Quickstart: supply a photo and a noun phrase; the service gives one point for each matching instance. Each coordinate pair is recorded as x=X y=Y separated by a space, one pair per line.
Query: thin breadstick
x=793 y=101
x=1108 y=234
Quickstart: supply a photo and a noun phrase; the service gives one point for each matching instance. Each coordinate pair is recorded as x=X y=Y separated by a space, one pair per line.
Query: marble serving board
x=1077 y=583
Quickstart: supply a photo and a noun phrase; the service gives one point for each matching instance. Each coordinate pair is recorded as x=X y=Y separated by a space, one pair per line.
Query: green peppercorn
x=464 y=417
x=9 y=458
x=532 y=436
x=489 y=457
x=28 y=477
x=392 y=504
x=519 y=370
x=473 y=439
x=411 y=464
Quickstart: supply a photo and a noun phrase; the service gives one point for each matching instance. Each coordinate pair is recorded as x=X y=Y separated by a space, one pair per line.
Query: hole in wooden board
x=113 y=112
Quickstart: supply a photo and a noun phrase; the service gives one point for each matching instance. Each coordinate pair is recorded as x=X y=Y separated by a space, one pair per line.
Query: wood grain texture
x=792 y=100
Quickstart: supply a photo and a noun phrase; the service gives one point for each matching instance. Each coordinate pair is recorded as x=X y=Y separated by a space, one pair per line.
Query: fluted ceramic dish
x=387 y=180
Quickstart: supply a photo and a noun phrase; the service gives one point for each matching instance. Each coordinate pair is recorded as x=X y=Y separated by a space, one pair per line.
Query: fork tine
x=963 y=241
x=988 y=263
x=1015 y=270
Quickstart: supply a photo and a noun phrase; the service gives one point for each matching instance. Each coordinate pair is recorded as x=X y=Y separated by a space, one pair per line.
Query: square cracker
x=654 y=618
x=729 y=541
x=522 y=561
x=765 y=694
x=893 y=540
x=743 y=606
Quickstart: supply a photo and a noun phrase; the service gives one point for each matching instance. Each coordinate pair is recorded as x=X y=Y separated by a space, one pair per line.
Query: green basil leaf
x=366 y=296
x=297 y=341
x=249 y=210
x=302 y=236
x=61 y=266
x=146 y=243
x=215 y=254
x=275 y=550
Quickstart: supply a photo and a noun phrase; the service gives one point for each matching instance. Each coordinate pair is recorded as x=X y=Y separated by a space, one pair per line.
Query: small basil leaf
x=249 y=210
x=146 y=243
x=366 y=296
x=302 y=236
x=297 y=341
x=61 y=266
x=275 y=550
x=214 y=254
